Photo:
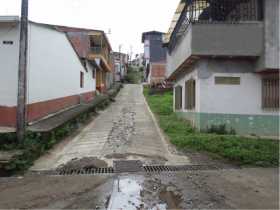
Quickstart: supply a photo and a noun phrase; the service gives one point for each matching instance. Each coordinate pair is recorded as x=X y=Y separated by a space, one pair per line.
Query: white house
x=224 y=59
x=56 y=77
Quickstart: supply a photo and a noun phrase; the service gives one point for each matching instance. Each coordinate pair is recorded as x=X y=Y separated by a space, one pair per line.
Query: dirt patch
x=172 y=199
x=204 y=158
x=122 y=129
x=83 y=164
x=147 y=160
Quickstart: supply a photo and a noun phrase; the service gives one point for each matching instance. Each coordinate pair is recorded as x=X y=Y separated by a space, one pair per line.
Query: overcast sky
x=126 y=19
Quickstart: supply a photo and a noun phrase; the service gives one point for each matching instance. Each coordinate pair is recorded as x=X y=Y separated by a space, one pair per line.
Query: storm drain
x=108 y=170
x=128 y=166
x=131 y=167
x=163 y=168
x=74 y=172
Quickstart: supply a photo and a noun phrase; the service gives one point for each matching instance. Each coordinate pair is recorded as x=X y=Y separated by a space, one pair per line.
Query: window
x=93 y=73
x=190 y=94
x=227 y=80
x=270 y=93
x=84 y=62
x=82 y=79
x=178 y=97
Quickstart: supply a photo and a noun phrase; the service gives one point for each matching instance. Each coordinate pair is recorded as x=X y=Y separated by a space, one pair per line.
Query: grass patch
x=134 y=76
x=242 y=150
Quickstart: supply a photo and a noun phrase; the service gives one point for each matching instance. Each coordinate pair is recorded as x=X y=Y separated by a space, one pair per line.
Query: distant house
x=93 y=46
x=154 y=56
x=121 y=65
x=62 y=71
x=224 y=59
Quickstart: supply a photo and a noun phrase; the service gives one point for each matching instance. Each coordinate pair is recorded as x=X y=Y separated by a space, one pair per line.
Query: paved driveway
x=125 y=130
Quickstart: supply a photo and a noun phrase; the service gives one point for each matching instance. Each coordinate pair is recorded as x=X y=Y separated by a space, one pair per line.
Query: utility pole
x=120 y=57
x=22 y=70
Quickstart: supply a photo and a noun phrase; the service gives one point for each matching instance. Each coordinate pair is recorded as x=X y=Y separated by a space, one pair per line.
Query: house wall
x=237 y=106
x=272 y=45
x=147 y=49
x=180 y=53
x=9 y=55
x=191 y=115
x=158 y=72
x=223 y=39
x=53 y=74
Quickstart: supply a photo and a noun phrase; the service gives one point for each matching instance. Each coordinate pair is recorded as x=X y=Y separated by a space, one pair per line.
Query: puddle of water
x=127 y=195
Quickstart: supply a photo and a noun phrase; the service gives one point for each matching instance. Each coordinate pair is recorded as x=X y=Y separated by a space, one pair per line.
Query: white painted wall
x=245 y=98
x=180 y=53
x=9 y=55
x=54 y=67
x=147 y=49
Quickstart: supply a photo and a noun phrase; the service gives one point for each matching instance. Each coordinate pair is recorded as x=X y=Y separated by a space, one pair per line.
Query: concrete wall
x=237 y=106
x=147 y=49
x=245 y=98
x=182 y=51
x=9 y=55
x=189 y=74
x=54 y=67
x=270 y=58
x=242 y=39
x=53 y=73
x=219 y=39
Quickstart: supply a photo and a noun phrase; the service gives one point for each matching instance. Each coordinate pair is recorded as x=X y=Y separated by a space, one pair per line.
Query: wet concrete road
x=126 y=130
x=223 y=189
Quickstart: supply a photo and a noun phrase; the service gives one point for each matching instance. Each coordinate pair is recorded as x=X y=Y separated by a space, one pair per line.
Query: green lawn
x=241 y=150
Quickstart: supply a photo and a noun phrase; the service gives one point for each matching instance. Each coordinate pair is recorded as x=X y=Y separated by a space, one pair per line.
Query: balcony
x=100 y=51
x=220 y=28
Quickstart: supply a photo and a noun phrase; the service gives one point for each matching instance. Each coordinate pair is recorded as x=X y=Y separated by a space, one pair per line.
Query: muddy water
x=138 y=193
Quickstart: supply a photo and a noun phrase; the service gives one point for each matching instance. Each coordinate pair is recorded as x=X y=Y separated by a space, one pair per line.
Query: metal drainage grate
x=162 y=168
x=128 y=166
x=74 y=172
x=109 y=170
x=120 y=167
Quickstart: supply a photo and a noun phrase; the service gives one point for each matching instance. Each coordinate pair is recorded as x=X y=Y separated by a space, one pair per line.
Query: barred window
x=81 y=79
x=190 y=94
x=178 y=97
x=270 y=93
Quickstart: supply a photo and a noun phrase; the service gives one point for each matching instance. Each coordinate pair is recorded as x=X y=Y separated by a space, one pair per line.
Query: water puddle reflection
x=129 y=193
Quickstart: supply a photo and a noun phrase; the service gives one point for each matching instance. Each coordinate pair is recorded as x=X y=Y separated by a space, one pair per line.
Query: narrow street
x=127 y=130
x=105 y=106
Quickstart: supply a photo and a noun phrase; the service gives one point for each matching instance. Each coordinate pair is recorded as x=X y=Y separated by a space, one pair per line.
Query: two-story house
x=64 y=69
x=223 y=56
x=97 y=49
x=154 y=57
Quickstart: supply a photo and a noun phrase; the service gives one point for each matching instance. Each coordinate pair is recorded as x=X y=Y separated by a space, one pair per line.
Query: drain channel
x=145 y=169
x=156 y=169
x=74 y=172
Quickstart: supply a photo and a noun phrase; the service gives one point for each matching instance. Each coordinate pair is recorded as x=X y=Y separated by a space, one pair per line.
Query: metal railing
x=214 y=11
x=98 y=50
